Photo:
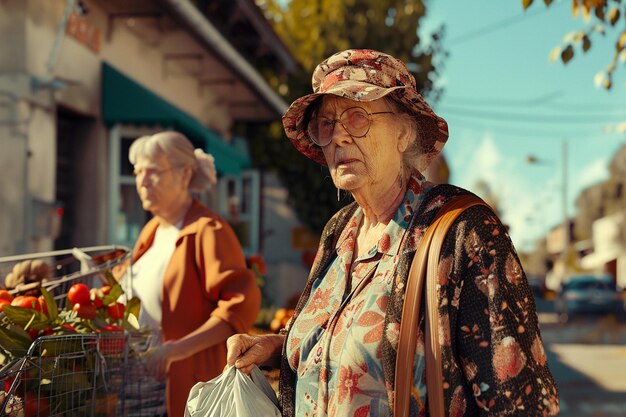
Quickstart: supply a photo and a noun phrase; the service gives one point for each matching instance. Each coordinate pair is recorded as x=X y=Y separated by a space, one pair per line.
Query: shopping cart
x=83 y=374
x=62 y=376
x=58 y=270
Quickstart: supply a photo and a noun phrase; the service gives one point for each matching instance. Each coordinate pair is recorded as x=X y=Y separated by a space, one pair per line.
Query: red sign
x=84 y=32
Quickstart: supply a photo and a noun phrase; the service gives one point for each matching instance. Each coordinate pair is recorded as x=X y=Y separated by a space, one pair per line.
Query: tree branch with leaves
x=603 y=17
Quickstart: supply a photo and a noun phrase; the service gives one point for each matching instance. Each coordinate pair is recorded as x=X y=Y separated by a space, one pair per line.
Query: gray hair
x=180 y=153
x=412 y=154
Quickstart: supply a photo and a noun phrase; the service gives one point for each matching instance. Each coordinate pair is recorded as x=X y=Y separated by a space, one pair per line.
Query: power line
x=618 y=107
x=487 y=101
x=520 y=117
x=519 y=132
x=502 y=24
x=543 y=101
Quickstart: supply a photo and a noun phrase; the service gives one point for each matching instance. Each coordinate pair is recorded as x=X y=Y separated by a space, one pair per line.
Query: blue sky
x=504 y=101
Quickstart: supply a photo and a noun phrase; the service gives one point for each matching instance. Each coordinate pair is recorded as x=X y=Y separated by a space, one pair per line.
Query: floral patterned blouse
x=335 y=343
x=340 y=351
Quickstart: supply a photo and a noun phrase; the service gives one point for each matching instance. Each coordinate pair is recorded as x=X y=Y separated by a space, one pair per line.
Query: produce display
x=63 y=354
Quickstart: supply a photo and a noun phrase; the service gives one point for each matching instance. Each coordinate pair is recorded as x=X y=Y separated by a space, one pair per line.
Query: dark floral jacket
x=494 y=363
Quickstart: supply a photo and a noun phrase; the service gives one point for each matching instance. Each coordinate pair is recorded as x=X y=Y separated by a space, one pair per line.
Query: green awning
x=126 y=101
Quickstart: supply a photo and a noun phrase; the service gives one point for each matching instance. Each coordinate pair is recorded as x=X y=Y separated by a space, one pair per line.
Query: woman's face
x=160 y=186
x=370 y=161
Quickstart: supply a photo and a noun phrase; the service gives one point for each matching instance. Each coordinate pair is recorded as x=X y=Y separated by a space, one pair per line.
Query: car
x=537 y=285
x=588 y=295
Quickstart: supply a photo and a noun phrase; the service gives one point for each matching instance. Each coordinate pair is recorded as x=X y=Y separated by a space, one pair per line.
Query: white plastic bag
x=233 y=394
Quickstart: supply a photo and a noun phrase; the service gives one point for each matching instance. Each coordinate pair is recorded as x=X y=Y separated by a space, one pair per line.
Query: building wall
x=13 y=182
x=67 y=73
x=12 y=26
x=609 y=247
x=41 y=166
x=139 y=51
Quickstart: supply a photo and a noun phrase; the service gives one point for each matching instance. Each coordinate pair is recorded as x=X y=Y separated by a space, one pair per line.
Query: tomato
x=116 y=311
x=43 y=304
x=34 y=408
x=111 y=328
x=105 y=289
x=79 y=294
x=85 y=311
x=5 y=295
x=96 y=298
x=4 y=303
x=7 y=383
x=68 y=328
x=26 y=301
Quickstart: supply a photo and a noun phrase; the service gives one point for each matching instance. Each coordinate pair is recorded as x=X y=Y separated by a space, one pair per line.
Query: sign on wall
x=84 y=32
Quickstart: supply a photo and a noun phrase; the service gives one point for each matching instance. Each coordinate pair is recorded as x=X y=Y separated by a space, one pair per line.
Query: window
x=235 y=198
x=239 y=199
x=126 y=215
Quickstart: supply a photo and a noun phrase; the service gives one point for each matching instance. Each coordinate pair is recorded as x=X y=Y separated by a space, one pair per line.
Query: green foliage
x=14 y=341
x=603 y=17
x=26 y=317
x=313 y=30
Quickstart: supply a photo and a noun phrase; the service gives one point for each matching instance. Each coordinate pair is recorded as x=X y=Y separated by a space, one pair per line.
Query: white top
x=148 y=274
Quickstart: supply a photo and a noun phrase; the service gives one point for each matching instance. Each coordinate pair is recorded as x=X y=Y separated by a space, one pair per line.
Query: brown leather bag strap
x=424 y=268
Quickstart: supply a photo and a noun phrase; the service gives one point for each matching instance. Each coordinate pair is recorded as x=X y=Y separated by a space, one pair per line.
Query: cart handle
x=17 y=258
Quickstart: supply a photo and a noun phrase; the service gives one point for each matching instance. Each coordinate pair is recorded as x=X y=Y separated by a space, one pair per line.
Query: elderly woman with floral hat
x=369 y=125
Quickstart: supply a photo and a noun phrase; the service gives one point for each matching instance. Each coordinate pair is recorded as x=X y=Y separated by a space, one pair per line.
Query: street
x=588 y=360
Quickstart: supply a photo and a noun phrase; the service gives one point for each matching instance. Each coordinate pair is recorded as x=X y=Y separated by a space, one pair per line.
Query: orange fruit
x=275 y=325
x=280 y=313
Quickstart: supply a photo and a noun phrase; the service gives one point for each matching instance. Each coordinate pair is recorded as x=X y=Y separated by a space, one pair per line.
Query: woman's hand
x=159 y=361
x=245 y=351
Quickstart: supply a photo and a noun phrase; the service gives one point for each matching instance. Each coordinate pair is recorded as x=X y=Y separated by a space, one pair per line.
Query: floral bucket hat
x=366 y=75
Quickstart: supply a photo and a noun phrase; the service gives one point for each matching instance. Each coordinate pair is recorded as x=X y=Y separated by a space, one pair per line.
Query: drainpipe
x=199 y=24
x=54 y=52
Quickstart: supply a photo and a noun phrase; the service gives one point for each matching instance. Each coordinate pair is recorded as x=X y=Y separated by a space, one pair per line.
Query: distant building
x=602 y=213
x=597 y=240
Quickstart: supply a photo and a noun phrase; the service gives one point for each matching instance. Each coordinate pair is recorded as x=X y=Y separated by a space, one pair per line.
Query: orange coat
x=206 y=277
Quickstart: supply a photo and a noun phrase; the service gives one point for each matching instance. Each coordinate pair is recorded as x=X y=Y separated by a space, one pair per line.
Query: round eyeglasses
x=153 y=174
x=355 y=120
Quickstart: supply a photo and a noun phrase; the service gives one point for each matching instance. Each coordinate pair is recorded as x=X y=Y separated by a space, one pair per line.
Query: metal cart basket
x=82 y=374
x=63 y=268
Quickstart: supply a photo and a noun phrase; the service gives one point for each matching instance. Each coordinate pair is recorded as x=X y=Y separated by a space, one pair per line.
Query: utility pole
x=561 y=268
x=566 y=226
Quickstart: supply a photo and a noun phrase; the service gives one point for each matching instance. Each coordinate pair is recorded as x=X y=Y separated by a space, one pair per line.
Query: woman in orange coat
x=188 y=267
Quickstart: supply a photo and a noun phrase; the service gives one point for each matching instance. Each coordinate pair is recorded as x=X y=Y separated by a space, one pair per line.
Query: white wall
x=12 y=33
x=14 y=146
x=12 y=132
